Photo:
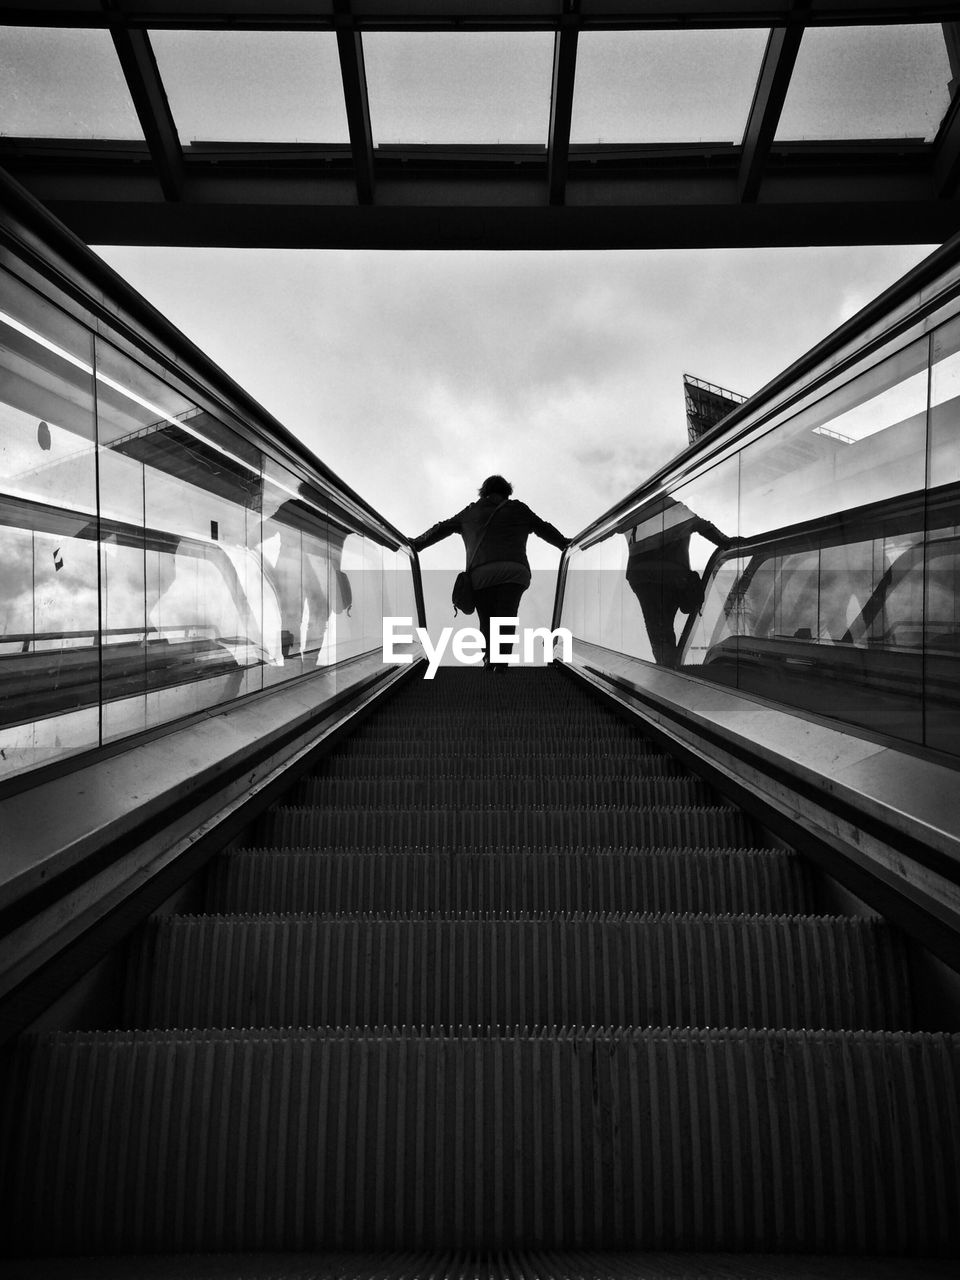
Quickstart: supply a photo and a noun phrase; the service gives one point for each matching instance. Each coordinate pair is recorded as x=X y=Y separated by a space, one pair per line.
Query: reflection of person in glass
x=659 y=572
x=496 y=551
x=302 y=554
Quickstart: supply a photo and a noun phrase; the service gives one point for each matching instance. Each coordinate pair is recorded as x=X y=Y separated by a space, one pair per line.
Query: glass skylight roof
x=867 y=82
x=459 y=87
x=665 y=86
x=253 y=86
x=63 y=83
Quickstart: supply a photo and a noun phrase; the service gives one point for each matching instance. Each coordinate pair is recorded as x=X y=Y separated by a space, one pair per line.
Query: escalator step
x=752 y=1140
x=500 y=793
x=600 y=764
x=655 y=827
x=666 y=880
x=719 y=971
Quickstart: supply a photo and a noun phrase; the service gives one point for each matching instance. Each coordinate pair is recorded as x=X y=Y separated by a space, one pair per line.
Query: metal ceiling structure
x=759 y=191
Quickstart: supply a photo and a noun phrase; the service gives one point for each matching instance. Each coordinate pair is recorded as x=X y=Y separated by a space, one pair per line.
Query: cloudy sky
x=414 y=375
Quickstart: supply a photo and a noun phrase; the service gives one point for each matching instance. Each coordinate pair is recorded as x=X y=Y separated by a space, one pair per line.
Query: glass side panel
x=942 y=602
x=187 y=621
x=945 y=406
x=49 y=619
x=824 y=613
x=253 y=86
x=867 y=82
x=301 y=567
x=58 y=82
x=818 y=567
x=664 y=86
x=700 y=524
x=459 y=87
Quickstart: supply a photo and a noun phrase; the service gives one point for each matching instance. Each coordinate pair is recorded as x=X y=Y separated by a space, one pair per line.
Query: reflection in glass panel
x=868 y=82
x=945 y=405
x=189 y=622
x=866 y=442
x=49 y=623
x=671 y=544
x=665 y=86
x=819 y=602
x=942 y=598
x=459 y=87
x=301 y=552
x=253 y=86
x=58 y=82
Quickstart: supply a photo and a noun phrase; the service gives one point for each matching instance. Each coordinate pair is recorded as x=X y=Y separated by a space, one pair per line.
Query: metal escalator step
x=720 y=971
x=500 y=793
x=482 y=1264
x=757 y=881
x=654 y=827
x=599 y=764
x=524 y=732
x=755 y=1140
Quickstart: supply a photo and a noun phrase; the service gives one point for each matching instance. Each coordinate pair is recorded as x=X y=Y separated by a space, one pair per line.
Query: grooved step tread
x=457 y=1264
x=660 y=880
x=706 y=826
x=727 y=971
x=656 y=1139
x=601 y=764
x=466 y=793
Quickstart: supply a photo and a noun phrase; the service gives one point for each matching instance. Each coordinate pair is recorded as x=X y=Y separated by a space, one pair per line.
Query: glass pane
x=942 y=602
x=459 y=87
x=62 y=83
x=670 y=547
x=945 y=406
x=49 y=663
x=187 y=622
x=826 y=612
x=868 y=82
x=301 y=558
x=665 y=86
x=253 y=86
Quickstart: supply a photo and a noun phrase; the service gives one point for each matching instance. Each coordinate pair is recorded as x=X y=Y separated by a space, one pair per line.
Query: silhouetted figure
x=659 y=572
x=500 y=571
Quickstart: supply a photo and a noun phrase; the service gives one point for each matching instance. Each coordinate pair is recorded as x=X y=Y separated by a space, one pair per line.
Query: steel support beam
x=150 y=100
x=561 y=111
x=467 y=14
x=670 y=224
x=779 y=59
x=353 y=73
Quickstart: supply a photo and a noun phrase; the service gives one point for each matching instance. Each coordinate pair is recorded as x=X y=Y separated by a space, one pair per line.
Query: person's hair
x=496 y=484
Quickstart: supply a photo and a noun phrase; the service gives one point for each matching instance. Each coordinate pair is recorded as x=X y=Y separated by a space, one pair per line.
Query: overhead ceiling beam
x=667 y=225
x=353 y=73
x=561 y=111
x=889 y=199
x=465 y=14
x=779 y=59
x=153 y=110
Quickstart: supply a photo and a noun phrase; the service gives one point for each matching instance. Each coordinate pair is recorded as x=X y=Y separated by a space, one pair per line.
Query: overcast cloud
x=413 y=375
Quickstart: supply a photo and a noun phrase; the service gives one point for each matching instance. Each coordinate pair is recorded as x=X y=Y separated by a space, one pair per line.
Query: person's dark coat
x=506 y=535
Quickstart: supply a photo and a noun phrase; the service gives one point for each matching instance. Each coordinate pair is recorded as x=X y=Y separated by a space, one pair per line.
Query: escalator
x=501 y=985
